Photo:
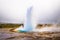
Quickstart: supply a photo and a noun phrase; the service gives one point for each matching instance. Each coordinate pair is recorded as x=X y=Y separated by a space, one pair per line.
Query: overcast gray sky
x=13 y=11
x=44 y=11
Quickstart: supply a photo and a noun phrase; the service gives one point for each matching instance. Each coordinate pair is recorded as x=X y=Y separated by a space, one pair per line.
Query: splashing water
x=27 y=25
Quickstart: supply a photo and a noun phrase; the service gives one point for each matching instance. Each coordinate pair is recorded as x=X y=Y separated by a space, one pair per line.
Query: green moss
x=10 y=25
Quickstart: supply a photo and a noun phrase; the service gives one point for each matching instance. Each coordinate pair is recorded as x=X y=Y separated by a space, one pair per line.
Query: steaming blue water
x=28 y=23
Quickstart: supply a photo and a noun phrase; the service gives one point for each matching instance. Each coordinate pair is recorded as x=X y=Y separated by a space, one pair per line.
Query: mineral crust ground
x=6 y=34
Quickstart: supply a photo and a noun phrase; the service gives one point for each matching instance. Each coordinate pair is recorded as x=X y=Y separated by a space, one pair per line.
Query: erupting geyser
x=27 y=24
x=44 y=12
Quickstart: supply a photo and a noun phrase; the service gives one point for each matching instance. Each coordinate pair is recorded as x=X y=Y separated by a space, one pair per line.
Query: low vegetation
x=10 y=25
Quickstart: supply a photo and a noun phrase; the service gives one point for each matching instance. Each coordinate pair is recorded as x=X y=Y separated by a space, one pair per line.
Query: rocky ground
x=6 y=34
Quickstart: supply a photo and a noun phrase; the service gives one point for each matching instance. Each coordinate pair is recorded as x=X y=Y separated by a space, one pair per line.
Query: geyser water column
x=27 y=24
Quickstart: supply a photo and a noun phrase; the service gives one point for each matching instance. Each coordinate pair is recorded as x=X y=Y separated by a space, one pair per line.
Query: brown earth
x=6 y=34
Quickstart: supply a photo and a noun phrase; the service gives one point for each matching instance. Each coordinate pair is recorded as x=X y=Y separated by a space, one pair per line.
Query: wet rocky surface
x=6 y=34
